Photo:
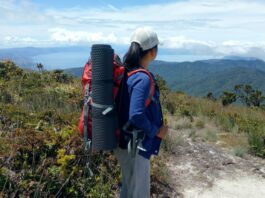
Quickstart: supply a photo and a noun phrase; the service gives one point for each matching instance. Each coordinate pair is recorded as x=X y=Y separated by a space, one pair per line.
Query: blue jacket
x=150 y=118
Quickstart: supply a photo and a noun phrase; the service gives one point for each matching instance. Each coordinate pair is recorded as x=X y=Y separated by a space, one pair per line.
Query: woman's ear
x=153 y=53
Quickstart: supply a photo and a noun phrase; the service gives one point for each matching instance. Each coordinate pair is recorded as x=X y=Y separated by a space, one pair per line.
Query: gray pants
x=135 y=175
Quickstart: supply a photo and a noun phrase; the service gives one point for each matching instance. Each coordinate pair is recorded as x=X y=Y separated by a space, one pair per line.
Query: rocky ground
x=204 y=169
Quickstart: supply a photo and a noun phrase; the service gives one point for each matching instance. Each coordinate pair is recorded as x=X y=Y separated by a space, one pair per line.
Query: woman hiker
x=142 y=122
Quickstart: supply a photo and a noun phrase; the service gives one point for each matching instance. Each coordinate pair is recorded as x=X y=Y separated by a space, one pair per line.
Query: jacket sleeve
x=140 y=88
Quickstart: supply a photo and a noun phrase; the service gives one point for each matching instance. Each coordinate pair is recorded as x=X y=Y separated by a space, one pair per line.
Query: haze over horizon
x=190 y=28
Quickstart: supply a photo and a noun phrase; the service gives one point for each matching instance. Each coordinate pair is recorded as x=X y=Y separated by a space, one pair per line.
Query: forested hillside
x=201 y=77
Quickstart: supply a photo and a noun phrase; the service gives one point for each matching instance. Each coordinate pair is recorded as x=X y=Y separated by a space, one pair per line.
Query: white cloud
x=201 y=27
x=63 y=35
x=242 y=48
x=16 y=41
x=230 y=47
x=183 y=42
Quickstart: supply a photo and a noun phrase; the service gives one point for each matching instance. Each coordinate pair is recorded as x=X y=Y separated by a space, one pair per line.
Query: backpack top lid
x=87 y=72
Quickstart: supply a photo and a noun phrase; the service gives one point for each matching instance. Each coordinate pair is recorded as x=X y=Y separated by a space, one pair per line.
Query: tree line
x=244 y=93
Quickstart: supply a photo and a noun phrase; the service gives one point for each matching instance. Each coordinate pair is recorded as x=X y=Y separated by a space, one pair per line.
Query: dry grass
x=231 y=140
x=200 y=124
x=210 y=135
x=172 y=140
x=232 y=119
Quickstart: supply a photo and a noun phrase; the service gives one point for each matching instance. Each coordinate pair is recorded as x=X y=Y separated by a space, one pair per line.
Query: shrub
x=192 y=134
x=200 y=124
x=5 y=96
x=228 y=98
x=257 y=143
x=240 y=151
x=172 y=140
x=210 y=96
x=9 y=69
x=62 y=77
x=210 y=135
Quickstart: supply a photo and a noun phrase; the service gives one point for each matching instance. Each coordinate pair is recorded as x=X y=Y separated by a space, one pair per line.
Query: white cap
x=146 y=38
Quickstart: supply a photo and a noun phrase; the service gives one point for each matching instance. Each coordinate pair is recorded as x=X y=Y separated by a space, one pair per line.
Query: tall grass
x=249 y=120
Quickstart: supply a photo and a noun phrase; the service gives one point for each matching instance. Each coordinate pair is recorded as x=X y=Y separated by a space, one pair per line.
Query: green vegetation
x=228 y=98
x=245 y=93
x=41 y=152
x=201 y=77
x=249 y=96
x=231 y=119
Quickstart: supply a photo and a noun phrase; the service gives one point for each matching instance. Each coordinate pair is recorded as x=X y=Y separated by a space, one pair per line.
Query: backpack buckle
x=107 y=110
x=88 y=145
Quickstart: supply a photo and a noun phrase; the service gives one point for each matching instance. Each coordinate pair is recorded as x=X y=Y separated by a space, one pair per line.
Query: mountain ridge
x=191 y=77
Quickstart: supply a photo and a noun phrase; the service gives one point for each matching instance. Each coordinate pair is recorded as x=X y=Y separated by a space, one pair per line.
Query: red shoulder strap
x=152 y=84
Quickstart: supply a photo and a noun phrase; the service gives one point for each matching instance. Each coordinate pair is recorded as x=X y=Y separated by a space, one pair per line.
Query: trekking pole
x=86 y=109
x=87 y=141
x=133 y=143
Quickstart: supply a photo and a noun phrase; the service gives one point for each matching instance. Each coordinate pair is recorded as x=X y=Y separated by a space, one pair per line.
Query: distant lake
x=63 y=60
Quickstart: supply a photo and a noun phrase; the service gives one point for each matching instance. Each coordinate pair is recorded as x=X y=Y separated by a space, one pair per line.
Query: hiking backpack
x=120 y=74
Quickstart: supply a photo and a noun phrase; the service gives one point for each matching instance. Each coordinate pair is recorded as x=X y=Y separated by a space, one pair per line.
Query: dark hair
x=133 y=56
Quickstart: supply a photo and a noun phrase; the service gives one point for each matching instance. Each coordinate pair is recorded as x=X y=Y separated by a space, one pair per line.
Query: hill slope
x=200 y=77
x=42 y=155
x=226 y=80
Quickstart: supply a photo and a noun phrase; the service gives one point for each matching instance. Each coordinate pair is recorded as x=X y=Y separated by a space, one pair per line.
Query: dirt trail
x=205 y=170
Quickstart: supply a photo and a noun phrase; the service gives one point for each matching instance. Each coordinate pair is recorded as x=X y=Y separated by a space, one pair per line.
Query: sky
x=190 y=27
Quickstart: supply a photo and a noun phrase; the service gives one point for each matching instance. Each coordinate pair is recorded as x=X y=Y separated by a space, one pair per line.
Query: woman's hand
x=162 y=132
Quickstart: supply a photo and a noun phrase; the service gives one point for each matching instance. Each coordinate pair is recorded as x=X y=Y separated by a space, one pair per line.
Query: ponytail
x=133 y=57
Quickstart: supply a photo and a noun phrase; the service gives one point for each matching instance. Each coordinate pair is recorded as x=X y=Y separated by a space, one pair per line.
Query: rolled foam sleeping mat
x=102 y=138
x=102 y=57
x=103 y=97
x=103 y=126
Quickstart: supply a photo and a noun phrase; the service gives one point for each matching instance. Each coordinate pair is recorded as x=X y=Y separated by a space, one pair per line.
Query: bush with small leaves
x=228 y=98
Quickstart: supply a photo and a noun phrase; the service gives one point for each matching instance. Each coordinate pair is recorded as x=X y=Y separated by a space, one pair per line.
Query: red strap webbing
x=152 y=84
